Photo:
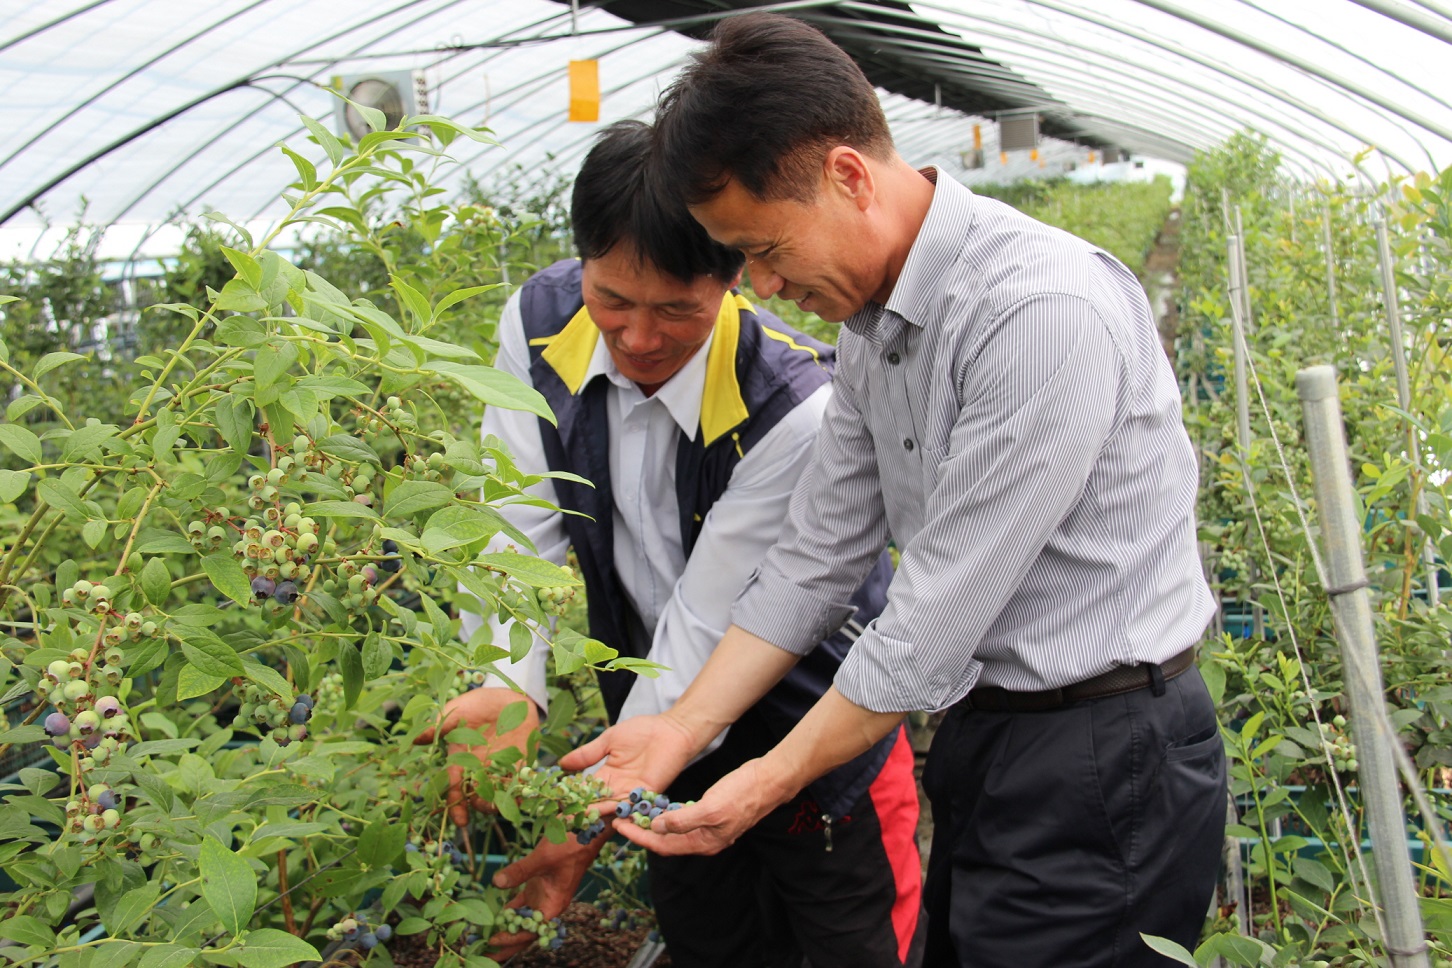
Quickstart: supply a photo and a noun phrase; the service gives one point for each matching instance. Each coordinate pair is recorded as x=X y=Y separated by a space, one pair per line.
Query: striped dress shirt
x=1010 y=420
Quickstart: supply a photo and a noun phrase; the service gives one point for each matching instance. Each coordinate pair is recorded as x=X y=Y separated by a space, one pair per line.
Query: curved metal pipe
x=1410 y=18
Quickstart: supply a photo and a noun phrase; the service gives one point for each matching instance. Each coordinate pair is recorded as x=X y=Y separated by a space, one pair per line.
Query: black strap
x=1352 y=587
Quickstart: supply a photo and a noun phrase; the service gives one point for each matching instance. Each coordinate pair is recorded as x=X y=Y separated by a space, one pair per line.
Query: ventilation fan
x=398 y=94
x=972 y=159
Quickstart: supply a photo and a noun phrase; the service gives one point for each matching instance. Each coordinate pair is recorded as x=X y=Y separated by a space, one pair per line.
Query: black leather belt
x=1120 y=679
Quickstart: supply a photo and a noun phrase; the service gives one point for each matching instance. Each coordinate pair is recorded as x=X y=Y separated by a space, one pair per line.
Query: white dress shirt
x=685 y=605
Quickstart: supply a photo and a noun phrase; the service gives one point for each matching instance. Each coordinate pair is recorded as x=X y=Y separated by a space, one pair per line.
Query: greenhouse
x=323 y=550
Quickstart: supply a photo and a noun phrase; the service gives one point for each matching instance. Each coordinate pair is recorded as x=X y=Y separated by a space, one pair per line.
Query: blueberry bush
x=230 y=581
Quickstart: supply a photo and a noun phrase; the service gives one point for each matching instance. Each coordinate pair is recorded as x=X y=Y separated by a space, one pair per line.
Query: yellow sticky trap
x=1034 y=154
x=1091 y=158
x=1003 y=158
x=977 y=137
x=584 y=90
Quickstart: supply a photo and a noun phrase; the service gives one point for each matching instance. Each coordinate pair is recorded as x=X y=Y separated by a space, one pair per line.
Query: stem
x=136 y=525
x=45 y=398
x=287 y=917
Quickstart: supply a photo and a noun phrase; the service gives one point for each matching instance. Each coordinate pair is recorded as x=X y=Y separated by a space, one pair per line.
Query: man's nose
x=764 y=280
x=639 y=338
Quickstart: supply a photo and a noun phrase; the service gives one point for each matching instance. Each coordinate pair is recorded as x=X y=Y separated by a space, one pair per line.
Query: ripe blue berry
x=57 y=724
x=662 y=801
x=370 y=940
x=637 y=794
x=286 y=593
x=643 y=807
x=384 y=932
x=622 y=809
x=299 y=714
x=305 y=699
x=654 y=812
x=262 y=587
x=106 y=801
x=556 y=944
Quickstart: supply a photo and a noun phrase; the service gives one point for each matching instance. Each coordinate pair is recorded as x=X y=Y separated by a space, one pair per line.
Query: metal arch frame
x=1337 y=45
x=1295 y=60
x=1410 y=18
x=1211 y=64
x=42 y=28
x=238 y=167
x=162 y=119
x=111 y=84
x=1072 y=82
x=1283 y=119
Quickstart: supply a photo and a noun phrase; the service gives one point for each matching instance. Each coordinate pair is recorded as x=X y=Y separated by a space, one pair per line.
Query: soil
x=587 y=945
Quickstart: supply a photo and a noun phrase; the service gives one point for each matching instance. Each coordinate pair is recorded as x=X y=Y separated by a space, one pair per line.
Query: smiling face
x=652 y=322
x=822 y=254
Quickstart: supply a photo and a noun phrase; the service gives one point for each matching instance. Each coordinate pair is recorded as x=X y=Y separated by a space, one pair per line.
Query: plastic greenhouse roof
x=139 y=109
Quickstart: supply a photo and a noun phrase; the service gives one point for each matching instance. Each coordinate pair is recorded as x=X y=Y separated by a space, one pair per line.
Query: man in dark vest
x=693 y=414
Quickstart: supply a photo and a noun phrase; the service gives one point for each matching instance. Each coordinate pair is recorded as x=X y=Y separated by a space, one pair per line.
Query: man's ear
x=740 y=273
x=848 y=173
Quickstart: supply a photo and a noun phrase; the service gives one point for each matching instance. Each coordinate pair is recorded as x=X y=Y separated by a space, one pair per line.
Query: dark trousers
x=1059 y=837
x=779 y=895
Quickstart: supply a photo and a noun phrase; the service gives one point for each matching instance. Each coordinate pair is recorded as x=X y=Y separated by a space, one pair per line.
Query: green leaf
x=169 y=956
x=191 y=682
x=228 y=577
x=93 y=531
x=208 y=653
x=529 y=569
x=271 y=948
x=350 y=663
x=61 y=497
x=268 y=678
x=324 y=138
x=21 y=441
x=381 y=842
x=413 y=300
x=480 y=135
x=83 y=441
x=307 y=172
x=327 y=387
x=228 y=885
x=12 y=485
x=158 y=541
x=349 y=448
x=1315 y=872
x=131 y=908
x=412 y=926
x=27 y=930
x=50 y=361
x=238 y=297
x=156 y=581
x=1170 y=949
x=246 y=266
x=410 y=497
x=234 y=422
x=341 y=509
x=458 y=296
x=521 y=640
x=377 y=656
x=511 y=717
x=241 y=331
x=273 y=360
x=493 y=387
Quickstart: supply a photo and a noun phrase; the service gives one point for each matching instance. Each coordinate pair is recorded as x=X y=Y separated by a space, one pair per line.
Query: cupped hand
x=479 y=709
x=732 y=806
x=648 y=751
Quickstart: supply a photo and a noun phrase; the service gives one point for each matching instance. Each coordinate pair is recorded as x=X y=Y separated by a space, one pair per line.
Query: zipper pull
x=827 y=829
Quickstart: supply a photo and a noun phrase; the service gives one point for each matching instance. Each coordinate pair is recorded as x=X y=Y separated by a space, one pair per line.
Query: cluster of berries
x=272 y=715
x=1343 y=751
x=99 y=810
x=265 y=487
x=550 y=792
x=643 y=806
x=357 y=928
x=101 y=730
x=395 y=414
x=443 y=848
x=276 y=550
x=417 y=467
x=554 y=599
x=551 y=933
x=621 y=919
x=209 y=533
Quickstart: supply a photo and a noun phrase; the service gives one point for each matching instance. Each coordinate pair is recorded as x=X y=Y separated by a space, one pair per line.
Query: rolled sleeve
x=834 y=532
x=1040 y=400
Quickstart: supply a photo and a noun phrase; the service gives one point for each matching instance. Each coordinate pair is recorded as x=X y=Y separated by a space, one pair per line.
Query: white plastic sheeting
x=136 y=110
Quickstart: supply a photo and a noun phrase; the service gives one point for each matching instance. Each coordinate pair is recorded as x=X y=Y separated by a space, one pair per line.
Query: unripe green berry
x=75 y=689
x=256 y=482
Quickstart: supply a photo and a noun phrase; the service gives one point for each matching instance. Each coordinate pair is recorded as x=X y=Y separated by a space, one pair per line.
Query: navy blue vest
x=775 y=368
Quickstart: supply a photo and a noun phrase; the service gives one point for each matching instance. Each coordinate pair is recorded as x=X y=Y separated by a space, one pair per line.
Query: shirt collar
x=917 y=295
x=680 y=395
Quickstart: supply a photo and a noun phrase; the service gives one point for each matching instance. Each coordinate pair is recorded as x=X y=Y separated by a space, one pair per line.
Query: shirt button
x=894 y=359
x=908 y=443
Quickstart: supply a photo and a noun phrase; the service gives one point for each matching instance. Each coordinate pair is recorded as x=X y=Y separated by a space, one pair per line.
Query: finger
x=684 y=820
x=588 y=755
x=701 y=841
x=507 y=946
x=458 y=808
x=515 y=874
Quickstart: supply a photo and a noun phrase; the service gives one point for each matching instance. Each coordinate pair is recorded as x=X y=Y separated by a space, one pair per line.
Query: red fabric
x=895 y=797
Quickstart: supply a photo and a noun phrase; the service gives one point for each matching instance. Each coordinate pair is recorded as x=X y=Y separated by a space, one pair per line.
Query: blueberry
x=662 y=801
x=583 y=837
x=286 y=593
x=384 y=932
x=643 y=807
x=675 y=806
x=622 y=809
x=637 y=794
x=556 y=944
x=305 y=699
x=525 y=912
x=57 y=724
x=262 y=587
x=653 y=936
x=299 y=714
x=351 y=934
x=655 y=812
x=370 y=940
x=106 y=801
x=411 y=847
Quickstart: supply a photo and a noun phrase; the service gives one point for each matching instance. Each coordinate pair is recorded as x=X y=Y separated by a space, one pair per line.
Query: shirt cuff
x=777 y=609
x=883 y=674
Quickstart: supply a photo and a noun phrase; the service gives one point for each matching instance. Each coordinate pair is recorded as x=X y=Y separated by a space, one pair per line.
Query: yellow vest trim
x=570 y=350
x=569 y=353
x=784 y=338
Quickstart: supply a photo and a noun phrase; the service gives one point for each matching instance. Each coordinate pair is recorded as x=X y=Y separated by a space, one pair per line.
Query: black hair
x=615 y=203
x=764 y=104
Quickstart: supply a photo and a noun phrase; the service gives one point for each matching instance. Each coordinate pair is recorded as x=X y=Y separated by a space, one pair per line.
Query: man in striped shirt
x=1003 y=412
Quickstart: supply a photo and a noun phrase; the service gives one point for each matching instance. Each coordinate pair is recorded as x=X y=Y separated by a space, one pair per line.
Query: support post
x=1341 y=534
x=1392 y=302
x=1235 y=258
x=1247 y=321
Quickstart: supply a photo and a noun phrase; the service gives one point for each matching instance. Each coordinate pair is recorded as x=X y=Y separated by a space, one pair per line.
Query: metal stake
x=1235 y=258
x=1345 y=576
